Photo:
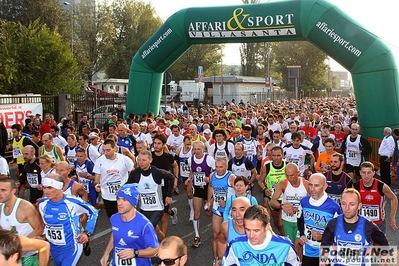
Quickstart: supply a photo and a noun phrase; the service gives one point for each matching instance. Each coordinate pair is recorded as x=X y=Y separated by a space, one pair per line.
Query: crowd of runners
x=307 y=157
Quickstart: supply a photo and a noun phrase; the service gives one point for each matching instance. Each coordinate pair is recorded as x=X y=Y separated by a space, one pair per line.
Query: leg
x=216 y=224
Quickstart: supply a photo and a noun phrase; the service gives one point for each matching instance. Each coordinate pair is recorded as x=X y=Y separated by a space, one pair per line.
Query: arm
x=175 y=169
x=81 y=192
x=328 y=234
x=276 y=195
x=33 y=217
x=110 y=246
x=210 y=196
x=394 y=206
x=60 y=154
x=43 y=248
x=227 y=209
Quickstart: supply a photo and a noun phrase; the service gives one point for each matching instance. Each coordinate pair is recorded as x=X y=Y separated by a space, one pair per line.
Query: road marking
x=101 y=234
x=207 y=228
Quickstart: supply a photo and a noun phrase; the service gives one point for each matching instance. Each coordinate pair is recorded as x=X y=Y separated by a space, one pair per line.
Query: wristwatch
x=136 y=253
x=87 y=233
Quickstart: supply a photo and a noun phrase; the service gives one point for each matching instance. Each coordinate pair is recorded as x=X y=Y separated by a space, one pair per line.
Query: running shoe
x=196 y=242
x=173 y=215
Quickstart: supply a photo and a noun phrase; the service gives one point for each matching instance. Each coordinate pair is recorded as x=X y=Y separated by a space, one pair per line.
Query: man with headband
x=60 y=214
x=133 y=237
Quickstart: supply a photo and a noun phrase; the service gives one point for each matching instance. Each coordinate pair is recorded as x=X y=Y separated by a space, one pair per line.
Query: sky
x=378 y=17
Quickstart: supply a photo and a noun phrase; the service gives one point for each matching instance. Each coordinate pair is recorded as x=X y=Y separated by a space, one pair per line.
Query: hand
x=168 y=201
x=206 y=179
x=188 y=182
x=83 y=238
x=316 y=235
x=104 y=260
x=268 y=192
x=302 y=240
x=82 y=174
x=392 y=223
x=288 y=208
x=126 y=254
x=98 y=188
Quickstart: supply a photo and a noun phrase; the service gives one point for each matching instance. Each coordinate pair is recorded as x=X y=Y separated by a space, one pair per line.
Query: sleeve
x=375 y=234
x=249 y=165
x=97 y=166
x=128 y=163
x=211 y=162
x=84 y=207
x=159 y=174
x=150 y=238
x=227 y=209
x=134 y=176
x=292 y=258
x=328 y=234
x=229 y=258
x=254 y=201
x=89 y=167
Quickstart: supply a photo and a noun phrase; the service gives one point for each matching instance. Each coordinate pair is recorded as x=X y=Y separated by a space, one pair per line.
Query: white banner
x=12 y=114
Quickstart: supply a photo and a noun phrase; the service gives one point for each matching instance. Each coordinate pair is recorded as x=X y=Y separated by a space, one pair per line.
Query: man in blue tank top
x=317 y=210
x=233 y=227
x=260 y=246
x=133 y=239
x=350 y=231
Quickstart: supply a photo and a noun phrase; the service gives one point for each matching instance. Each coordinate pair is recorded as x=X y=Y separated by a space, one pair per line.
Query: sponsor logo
x=62 y=216
x=122 y=242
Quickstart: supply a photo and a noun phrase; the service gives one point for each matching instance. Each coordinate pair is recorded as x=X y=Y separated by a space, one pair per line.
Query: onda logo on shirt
x=266 y=259
x=318 y=219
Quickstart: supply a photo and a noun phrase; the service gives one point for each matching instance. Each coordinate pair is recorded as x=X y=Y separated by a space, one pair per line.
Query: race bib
x=113 y=187
x=351 y=154
x=123 y=262
x=16 y=153
x=149 y=201
x=219 y=195
x=199 y=179
x=308 y=234
x=336 y=198
x=184 y=169
x=85 y=183
x=55 y=234
x=371 y=212
x=33 y=179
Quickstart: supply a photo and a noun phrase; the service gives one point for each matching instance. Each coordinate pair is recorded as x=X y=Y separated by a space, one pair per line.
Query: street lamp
x=72 y=21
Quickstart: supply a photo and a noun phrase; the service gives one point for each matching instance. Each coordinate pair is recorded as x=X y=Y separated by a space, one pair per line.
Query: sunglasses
x=167 y=262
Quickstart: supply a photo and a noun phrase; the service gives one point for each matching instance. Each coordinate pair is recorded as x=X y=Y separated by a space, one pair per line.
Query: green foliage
x=37 y=60
x=133 y=22
x=208 y=56
x=313 y=73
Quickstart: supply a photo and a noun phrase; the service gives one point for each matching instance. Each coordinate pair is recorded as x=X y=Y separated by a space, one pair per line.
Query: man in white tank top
x=291 y=190
x=18 y=213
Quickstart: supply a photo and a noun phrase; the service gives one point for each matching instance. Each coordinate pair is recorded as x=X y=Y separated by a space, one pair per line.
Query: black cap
x=247 y=127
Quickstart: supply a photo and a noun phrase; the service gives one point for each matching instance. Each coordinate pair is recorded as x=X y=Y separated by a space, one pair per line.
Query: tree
x=133 y=23
x=250 y=53
x=208 y=56
x=313 y=73
x=38 y=59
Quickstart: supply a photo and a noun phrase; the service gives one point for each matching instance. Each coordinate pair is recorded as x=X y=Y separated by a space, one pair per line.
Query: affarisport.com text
x=353 y=255
x=156 y=43
x=337 y=38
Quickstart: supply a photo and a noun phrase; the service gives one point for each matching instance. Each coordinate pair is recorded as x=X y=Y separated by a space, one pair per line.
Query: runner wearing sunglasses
x=172 y=252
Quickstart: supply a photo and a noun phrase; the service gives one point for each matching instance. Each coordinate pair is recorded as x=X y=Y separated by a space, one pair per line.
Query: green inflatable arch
x=371 y=63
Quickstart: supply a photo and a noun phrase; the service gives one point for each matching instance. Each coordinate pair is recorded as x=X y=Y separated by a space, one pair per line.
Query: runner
x=317 y=210
x=201 y=166
x=183 y=156
x=373 y=193
x=172 y=252
x=351 y=229
x=70 y=150
x=241 y=165
x=31 y=173
x=219 y=189
x=149 y=179
x=70 y=187
x=271 y=174
x=234 y=226
x=296 y=153
x=355 y=148
x=221 y=148
x=19 y=214
x=133 y=239
x=60 y=214
x=290 y=190
x=250 y=144
x=111 y=172
x=337 y=179
x=50 y=149
x=260 y=243
x=84 y=171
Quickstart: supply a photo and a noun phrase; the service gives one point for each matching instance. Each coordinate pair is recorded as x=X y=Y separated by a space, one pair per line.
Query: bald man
x=233 y=228
x=317 y=210
x=71 y=187
x=172 y=251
